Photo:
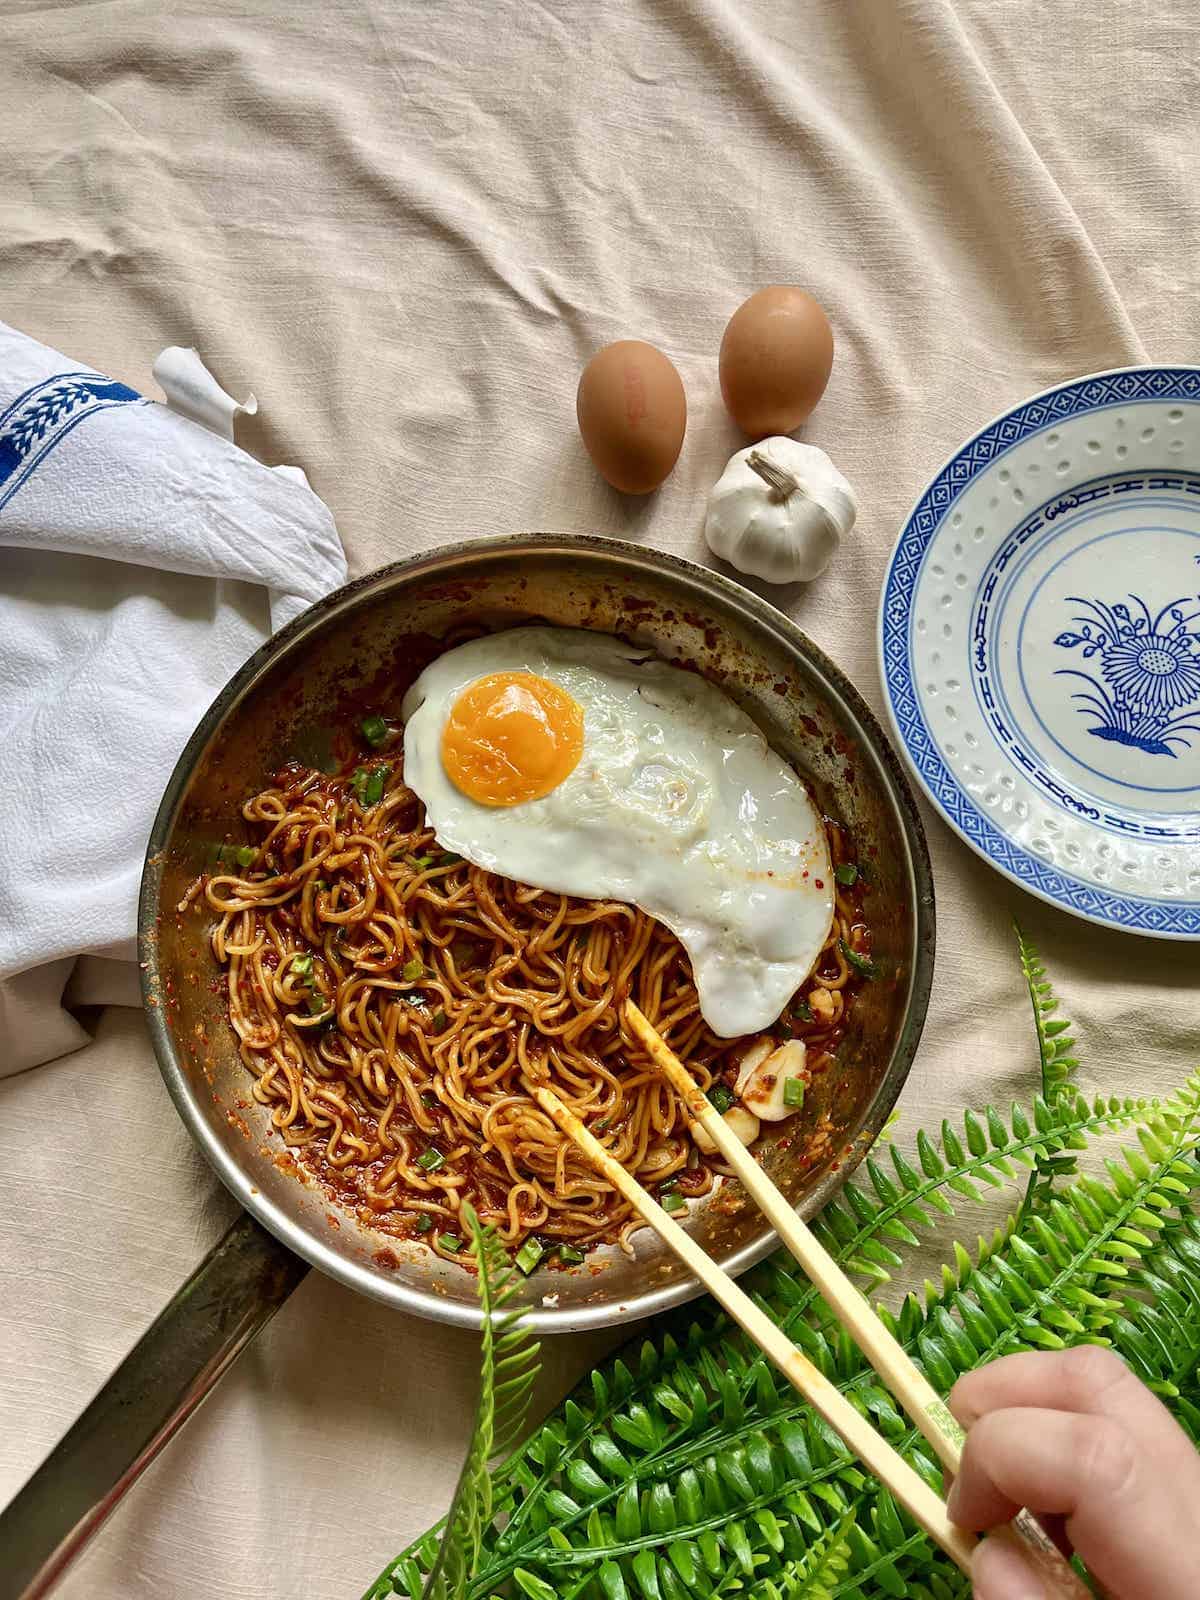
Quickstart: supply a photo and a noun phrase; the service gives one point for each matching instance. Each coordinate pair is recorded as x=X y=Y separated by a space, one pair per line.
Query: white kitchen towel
x=143 y=557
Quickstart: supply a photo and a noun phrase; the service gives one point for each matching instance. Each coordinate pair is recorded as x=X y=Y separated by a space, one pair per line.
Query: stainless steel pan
x=289 y=700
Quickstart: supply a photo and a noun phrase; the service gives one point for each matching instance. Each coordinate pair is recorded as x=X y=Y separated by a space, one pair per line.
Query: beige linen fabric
x=406 y=227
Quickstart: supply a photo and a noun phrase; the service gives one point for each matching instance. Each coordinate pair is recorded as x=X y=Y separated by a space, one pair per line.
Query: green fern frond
x=1158 y=1322
x=509 y=1364
x=1058 y=1066
x=861 y=1227
x=816 y=1575
x=687 y=1466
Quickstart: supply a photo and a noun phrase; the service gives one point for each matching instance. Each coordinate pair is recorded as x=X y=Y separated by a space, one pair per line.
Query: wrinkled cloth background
x=406 y=226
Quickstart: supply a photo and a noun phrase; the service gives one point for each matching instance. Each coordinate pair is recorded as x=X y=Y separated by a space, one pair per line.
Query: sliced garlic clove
x=702 y=1139
x=753 y=1056
x=821 y=1005
x=743 y=1123
x=657 y=1157
x=766 y=1089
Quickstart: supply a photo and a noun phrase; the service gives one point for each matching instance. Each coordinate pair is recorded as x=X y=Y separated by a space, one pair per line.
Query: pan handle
x=193 y=1341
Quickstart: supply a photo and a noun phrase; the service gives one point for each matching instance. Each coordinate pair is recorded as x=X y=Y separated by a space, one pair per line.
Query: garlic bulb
x=779 y=510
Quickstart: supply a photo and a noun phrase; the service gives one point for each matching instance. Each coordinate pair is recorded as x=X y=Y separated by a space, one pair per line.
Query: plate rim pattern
x=1120 y=386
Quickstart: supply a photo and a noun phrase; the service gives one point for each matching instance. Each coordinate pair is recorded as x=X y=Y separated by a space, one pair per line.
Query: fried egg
x=574 y=762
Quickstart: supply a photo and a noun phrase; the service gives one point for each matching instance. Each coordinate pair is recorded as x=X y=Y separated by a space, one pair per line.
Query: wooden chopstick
x=911 y=1388
x=911 y=1490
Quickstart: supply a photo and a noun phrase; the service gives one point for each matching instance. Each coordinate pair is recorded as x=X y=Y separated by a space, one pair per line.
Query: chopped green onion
x=861 y=964
x=368 y=784
x=439 y=1021
x=601 y=1126
x=528 y=1256
x=414 y=997
x=569 y=1256
x=412 y=970
x=246 y=854
x=374 y=730
x=673 y=1202
x=450 y=1241
x=803 y=1011
x=462 y=952
x=721 y=1097
x=424 y=1223
x=302 y=966
x=846 y=874
x=421 y=862
x=318 y=1005
x=428 y=1099
x=430 y=1160
x=793 y=1093
x=449 y=859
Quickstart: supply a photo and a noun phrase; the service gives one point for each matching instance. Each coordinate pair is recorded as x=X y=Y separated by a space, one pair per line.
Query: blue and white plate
x=1040 y=646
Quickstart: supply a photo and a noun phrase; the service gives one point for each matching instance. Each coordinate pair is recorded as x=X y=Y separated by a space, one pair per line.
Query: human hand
x=1077 y=1438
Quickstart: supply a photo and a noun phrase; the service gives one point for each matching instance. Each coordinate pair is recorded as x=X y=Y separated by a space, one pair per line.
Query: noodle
x=395 y=1004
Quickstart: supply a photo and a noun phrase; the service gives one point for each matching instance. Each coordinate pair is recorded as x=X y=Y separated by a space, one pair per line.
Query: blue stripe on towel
x=37 y=420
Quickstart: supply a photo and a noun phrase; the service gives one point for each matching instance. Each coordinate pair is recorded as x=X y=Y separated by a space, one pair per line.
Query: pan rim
x=459 y=557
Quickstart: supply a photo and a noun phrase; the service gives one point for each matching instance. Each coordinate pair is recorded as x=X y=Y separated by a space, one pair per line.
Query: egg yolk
x=511 y=736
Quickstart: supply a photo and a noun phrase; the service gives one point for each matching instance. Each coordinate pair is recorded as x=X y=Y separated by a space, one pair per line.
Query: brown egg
x=776 y=358
x=632 y=414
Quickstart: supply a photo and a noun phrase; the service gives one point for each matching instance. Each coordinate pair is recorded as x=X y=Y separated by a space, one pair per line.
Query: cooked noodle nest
x=396 y=1005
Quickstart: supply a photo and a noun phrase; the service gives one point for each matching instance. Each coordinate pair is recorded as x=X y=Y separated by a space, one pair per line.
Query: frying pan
x=363 y=645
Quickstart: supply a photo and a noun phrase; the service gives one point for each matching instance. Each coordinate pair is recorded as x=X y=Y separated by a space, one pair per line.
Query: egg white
x=678 y=805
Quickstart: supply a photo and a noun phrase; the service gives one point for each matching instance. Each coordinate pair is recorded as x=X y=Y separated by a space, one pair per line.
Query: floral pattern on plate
x=1149 y=672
